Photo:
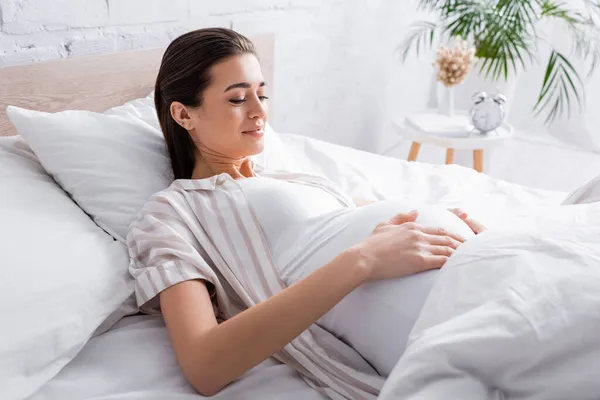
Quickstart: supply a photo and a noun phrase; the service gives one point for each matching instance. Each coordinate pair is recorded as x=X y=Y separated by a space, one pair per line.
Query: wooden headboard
x=95 y=83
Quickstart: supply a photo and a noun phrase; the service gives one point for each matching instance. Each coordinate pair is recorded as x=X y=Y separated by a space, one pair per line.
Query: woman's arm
x=212 y=355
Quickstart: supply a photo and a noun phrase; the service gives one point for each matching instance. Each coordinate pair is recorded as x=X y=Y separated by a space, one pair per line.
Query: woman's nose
x=259 y=110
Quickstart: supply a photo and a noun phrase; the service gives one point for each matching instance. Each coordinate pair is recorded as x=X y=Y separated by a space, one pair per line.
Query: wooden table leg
x=478 y=160
x=414 y=151
x=449 y=156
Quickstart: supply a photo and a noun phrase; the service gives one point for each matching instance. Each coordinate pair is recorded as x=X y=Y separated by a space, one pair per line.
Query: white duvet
x=514 y=314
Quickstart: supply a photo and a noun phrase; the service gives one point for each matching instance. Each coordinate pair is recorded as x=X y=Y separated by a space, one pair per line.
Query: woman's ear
x=180 y=114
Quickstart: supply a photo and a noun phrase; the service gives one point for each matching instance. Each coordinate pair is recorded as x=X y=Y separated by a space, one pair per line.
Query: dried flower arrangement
x=454 y=62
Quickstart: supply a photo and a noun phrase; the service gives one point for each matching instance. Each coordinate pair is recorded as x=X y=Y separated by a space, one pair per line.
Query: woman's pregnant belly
x=376 y=318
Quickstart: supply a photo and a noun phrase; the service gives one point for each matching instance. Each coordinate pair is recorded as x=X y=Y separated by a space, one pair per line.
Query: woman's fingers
x=435 y=262
x=475 y=226
x=441 y=250
x=440 y=240
x=402 y=218
x=442 y=232
x=458 y=212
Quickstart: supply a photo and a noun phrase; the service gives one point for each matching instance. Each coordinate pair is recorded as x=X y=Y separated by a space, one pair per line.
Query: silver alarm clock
x=487 y=113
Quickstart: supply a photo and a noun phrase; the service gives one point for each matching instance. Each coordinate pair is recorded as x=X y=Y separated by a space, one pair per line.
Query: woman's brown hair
x=183 y=76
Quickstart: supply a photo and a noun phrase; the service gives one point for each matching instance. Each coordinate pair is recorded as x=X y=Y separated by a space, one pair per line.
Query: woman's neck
x=205 y=167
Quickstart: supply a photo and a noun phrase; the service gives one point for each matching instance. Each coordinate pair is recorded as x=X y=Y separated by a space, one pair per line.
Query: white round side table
x=464 y=141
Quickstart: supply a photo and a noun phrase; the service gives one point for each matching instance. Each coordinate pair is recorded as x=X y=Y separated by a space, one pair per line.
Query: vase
x=446 y=103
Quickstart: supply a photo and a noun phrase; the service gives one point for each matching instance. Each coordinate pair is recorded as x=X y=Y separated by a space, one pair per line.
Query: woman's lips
x=255 y=132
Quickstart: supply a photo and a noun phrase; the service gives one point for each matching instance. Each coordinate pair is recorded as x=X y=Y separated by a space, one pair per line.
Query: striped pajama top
x=185 y=232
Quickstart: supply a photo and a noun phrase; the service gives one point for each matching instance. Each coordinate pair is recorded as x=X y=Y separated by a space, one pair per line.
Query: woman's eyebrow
x=243 y=85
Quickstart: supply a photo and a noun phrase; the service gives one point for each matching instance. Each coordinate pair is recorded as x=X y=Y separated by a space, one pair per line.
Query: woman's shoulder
x=163 y=198
x=168 y=203
x=182 y=197
x=166 y=211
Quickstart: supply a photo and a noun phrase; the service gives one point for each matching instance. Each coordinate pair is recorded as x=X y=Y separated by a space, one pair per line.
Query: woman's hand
x=475 y=226
x=400 y=247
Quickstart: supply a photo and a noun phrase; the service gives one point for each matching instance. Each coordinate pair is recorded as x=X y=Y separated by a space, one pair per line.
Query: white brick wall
x=131 y=12
x=31 y=16
x=231 y=7
x=333 y=57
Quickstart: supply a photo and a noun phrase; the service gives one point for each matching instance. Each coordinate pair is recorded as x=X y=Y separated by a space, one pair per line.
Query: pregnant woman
x=245 y=264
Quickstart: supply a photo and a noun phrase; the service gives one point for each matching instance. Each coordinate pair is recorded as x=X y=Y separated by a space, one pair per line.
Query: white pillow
x=59 y=280
x=588 y=193
x=112 y=162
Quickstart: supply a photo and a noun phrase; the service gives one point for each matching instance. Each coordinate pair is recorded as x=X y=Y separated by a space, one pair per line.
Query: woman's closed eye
x=241 y=101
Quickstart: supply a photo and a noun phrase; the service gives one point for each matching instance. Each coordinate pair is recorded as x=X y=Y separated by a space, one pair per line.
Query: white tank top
x=306 y=227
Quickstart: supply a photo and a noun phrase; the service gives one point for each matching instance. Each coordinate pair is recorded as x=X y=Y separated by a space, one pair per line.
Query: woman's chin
x=255 y=148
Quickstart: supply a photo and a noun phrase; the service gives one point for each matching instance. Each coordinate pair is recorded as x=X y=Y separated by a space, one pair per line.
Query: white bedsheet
x=134 y=359
x=371 y=176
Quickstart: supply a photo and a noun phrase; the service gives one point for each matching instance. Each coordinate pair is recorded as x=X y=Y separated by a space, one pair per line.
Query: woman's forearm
x=228 y=350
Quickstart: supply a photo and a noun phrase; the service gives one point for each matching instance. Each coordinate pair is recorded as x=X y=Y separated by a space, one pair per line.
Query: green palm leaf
x=505 y=41
x=584 y=31
x=430 y=5
x=465 y=18
x=421 y=36
x=521 y=15
x=561 y=82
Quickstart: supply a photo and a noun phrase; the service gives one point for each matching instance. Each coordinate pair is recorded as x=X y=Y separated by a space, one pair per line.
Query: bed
x=131 y=358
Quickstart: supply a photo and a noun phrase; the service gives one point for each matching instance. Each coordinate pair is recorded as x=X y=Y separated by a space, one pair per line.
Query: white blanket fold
x=515 y=314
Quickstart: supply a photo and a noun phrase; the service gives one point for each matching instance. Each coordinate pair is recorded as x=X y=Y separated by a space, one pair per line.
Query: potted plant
x=508 y=37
